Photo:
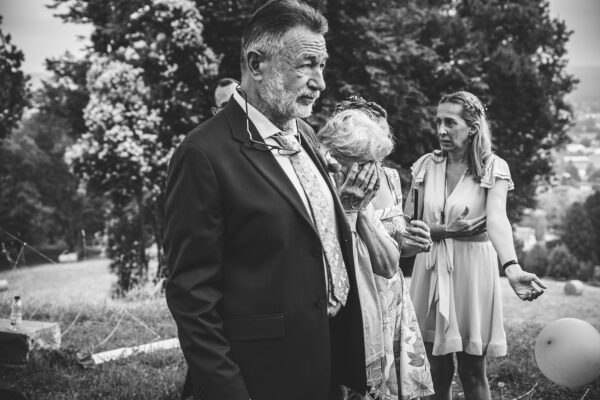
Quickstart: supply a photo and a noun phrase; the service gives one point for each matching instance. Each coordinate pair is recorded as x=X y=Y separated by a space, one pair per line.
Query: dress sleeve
x=419 y=170
x=496 y=168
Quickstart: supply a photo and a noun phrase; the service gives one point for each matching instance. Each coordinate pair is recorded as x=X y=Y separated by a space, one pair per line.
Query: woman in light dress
x=455 y=288
x=397 y=368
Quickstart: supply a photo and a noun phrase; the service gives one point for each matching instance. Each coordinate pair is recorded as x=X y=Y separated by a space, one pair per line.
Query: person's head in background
x=282 y=59
x=357 y=132
x=220 y=93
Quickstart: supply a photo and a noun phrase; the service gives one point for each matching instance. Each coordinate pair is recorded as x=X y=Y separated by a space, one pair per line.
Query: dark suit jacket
x=247 y=281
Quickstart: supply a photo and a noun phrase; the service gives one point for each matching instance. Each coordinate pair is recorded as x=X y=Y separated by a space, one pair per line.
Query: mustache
x=312 y=94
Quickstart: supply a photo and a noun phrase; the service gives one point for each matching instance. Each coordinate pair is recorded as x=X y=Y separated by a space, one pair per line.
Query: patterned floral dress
x=397 y=366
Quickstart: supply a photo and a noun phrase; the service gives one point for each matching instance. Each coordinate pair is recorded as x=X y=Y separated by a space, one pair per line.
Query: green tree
x=561 y=263
x=536 y=260
x=19 y=201
x=33 y=205
x=592 y=209
x=22 y=212
x=143 y=91
x=578 y=233
x=55 y=126
x=64 y=95
x=14 y=93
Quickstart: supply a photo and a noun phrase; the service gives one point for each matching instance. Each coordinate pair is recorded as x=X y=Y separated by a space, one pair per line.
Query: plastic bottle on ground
x=16 y=313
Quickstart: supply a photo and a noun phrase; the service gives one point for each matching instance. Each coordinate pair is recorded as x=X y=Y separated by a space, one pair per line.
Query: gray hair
x=269 y=24
x=352 y=136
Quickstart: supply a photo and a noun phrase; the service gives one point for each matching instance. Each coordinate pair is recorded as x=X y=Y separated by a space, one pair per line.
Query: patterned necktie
x=323 y=216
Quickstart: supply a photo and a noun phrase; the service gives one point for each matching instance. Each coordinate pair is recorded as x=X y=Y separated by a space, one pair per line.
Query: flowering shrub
x=144 y=96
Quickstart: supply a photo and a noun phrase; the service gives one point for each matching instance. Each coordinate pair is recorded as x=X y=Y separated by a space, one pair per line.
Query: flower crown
x=355 y=102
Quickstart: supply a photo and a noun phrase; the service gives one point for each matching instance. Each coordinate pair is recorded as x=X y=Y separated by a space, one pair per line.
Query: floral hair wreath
x=355 y=102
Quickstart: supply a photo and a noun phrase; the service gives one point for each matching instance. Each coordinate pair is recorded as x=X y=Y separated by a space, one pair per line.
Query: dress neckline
x=448 y=195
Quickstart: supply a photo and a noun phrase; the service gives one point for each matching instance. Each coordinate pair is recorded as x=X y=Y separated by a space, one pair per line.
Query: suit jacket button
x=320 y=304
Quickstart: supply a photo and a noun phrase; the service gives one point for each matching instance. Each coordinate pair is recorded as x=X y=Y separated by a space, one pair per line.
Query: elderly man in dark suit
x=262 y=283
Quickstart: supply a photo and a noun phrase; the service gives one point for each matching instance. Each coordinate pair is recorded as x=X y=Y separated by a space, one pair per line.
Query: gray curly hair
x=355 y=136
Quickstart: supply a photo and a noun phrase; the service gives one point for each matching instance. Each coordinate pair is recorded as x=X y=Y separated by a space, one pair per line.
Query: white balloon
x=567 y=351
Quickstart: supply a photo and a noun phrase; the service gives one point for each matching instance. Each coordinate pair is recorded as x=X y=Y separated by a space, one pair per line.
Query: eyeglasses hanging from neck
x=258 y=145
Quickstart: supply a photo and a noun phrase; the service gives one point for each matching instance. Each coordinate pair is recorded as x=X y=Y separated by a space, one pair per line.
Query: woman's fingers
x=373 y=178
x=352 y=173
x=369 y=172
x=418 y=231
x=539 y=282
x=420 y=225
x=417 y=242
x=480 y=220
x=417 y=234
x=360 y=181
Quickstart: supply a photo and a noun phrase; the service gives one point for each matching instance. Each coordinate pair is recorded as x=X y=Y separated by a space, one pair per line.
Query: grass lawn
x=79 y=293
x=515 y=374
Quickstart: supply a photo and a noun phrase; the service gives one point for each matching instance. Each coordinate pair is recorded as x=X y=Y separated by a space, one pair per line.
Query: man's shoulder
x=211 y=132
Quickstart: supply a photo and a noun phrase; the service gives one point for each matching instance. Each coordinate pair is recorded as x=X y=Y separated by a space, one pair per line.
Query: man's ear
x=255 y=64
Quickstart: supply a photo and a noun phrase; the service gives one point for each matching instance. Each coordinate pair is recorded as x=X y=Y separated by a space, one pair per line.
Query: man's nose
x=316 y=81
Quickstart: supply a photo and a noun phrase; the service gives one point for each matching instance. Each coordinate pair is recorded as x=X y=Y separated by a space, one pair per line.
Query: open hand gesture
x=523 y=282
x=461 y=227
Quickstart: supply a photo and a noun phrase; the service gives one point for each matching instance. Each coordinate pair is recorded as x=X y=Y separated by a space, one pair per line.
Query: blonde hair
x=473 y=112
x=352 y=136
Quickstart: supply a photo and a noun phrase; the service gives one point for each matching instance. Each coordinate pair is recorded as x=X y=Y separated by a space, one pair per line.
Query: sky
x=40 y=35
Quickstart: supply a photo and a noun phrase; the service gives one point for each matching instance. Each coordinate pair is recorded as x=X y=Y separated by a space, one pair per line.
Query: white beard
x=284 y=103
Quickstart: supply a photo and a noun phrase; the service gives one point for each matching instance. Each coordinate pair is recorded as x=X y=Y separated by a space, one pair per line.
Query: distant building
x=575 y=148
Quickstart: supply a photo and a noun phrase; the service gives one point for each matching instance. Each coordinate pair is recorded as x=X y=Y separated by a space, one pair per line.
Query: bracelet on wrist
x=509 y=263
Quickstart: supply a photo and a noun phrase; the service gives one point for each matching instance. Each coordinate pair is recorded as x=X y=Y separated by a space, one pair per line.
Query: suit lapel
x=263 y=161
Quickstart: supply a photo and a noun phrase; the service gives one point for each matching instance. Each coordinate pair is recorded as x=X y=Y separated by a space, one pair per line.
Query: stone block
x=574 y=287
x=30 y=335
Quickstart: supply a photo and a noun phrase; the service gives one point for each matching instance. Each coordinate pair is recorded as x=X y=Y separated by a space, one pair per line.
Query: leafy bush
x=578 y=233
x=536 y=260
x=585 y=271
x=562 y=264
x=592 y=208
